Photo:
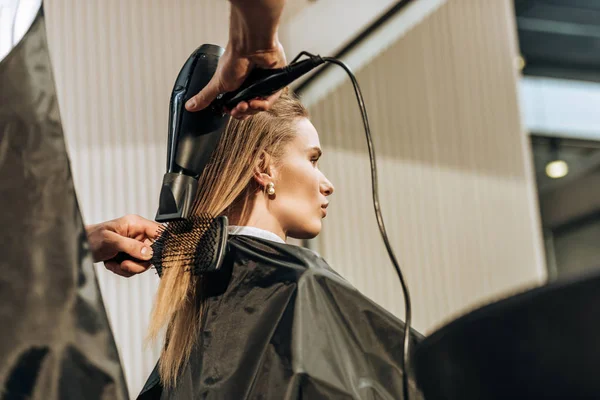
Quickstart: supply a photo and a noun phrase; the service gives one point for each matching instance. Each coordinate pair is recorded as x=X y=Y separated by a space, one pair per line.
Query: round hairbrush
x=196 y=244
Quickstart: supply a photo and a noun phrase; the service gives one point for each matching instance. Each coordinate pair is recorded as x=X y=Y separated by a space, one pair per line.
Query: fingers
x=240 y=110
x=133 y=247
x=264 y=104
x=136 y=227
x=139 y=228
x=130 y=234
x=115 y=268
x=134 y=267
x=245 y=110
x=127 y=268
x=205 y=97
x=232 y=70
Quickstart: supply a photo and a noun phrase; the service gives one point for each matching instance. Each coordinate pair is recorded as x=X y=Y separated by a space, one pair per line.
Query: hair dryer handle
x=264 y=82
x=253 y=87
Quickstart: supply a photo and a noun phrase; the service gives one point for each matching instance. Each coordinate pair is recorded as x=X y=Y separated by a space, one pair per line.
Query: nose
x=326 y=187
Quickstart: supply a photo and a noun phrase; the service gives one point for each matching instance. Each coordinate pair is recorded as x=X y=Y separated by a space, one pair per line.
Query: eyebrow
x=318 y=149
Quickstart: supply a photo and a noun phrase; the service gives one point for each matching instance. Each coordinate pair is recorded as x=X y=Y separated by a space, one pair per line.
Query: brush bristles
x=191 y=244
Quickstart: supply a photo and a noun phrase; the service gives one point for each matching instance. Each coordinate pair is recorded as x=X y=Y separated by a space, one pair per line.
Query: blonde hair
x=226 y=184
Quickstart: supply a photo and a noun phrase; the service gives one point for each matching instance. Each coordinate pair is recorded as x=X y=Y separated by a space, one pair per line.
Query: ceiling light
x=557 y=169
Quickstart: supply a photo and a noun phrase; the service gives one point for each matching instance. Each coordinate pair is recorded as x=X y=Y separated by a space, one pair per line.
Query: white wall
x=456 y=183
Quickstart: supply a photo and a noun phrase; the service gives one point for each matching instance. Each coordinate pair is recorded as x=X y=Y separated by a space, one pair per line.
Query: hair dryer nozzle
x=176 y=197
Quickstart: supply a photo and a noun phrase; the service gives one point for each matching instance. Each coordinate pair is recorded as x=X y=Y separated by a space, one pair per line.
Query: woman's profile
x=275 y=321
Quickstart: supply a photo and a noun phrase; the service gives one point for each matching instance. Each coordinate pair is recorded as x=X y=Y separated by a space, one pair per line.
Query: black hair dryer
x=192 y=135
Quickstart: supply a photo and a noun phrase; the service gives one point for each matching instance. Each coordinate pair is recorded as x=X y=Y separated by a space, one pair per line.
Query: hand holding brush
x=131 y=235
x=197 y=244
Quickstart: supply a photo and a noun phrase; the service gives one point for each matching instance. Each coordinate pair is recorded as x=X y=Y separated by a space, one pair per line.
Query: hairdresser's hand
x=253 y=43
x=130 y=234
x=232 y=70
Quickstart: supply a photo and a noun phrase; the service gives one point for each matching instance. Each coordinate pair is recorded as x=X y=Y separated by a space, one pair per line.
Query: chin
x=306 y=232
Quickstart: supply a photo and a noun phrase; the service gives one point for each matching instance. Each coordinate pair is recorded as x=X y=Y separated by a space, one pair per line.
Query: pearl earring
x=270 y=188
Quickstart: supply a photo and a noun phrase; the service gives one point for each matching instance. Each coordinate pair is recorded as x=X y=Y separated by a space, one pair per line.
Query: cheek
x=299 y=205
x=298 y=195
x=303 y=184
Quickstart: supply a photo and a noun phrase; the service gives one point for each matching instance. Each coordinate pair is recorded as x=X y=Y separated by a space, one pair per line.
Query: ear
x=263 y=171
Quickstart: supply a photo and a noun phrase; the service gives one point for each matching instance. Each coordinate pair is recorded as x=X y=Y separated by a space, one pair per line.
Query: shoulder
x=258 y=250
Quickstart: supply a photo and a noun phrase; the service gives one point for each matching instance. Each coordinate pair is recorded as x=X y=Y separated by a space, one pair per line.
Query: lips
x=323 y=209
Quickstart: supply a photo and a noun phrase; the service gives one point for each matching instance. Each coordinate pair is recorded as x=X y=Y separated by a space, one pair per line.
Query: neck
x=258 y=215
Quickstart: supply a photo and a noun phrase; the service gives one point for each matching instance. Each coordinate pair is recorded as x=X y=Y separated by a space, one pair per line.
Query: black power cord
x=380 y=223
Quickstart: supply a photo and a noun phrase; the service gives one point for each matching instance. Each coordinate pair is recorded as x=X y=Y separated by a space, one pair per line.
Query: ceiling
x=560 y=38
x=582 y=156
x=574 y=198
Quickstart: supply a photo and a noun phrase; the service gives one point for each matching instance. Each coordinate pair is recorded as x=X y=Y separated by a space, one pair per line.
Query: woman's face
x=301 y=189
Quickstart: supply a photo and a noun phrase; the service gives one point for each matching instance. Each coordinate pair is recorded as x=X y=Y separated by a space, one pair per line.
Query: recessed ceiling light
x=557 y=169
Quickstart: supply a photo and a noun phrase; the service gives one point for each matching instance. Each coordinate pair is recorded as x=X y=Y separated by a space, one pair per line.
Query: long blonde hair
x=226 y=183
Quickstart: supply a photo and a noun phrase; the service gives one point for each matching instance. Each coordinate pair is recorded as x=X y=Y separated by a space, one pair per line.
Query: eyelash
x=314 y=161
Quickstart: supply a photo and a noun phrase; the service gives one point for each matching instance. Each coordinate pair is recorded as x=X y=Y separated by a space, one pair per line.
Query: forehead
x=306 y=134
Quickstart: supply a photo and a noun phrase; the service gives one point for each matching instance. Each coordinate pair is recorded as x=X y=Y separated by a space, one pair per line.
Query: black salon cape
x=281 y=324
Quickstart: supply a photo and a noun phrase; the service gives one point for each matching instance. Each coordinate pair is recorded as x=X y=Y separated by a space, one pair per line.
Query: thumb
x=205 y=97
x=133 y=247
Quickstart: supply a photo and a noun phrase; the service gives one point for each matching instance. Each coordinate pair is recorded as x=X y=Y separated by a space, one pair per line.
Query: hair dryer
x=193 y=136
